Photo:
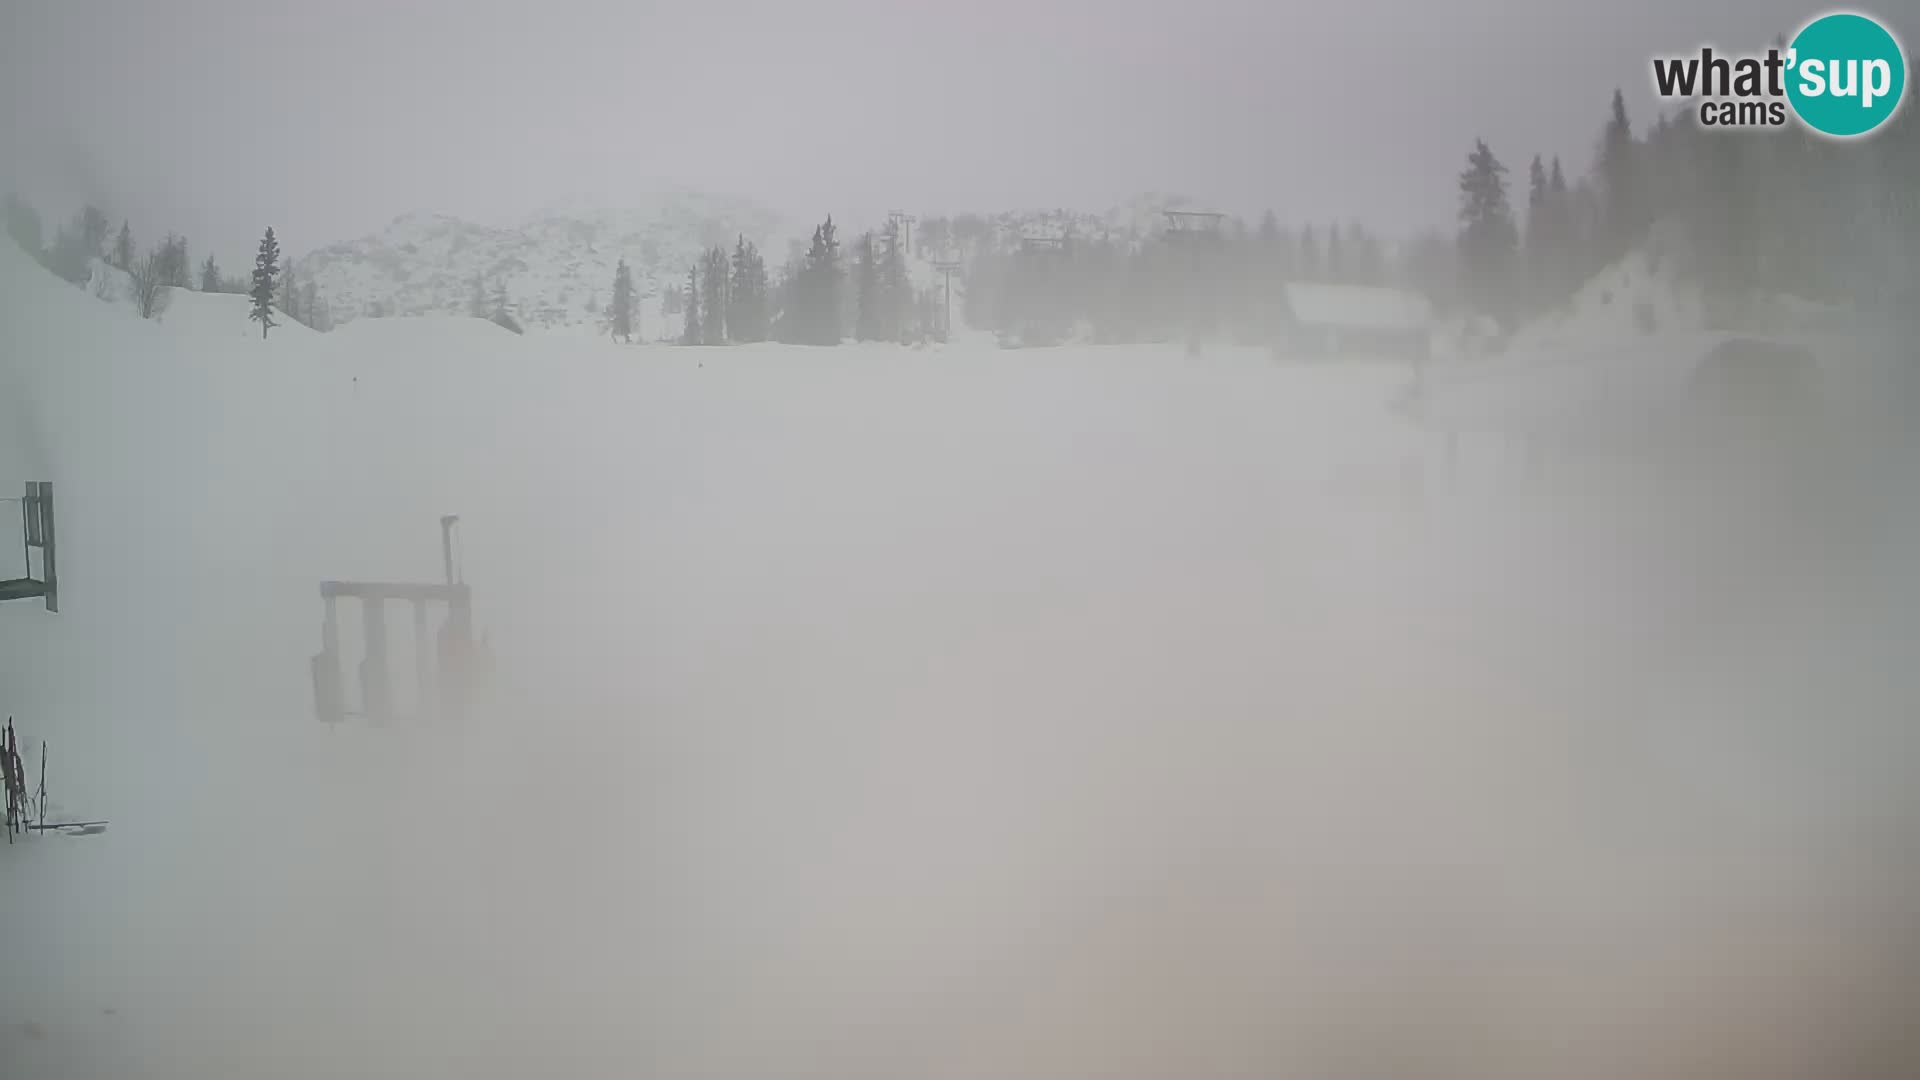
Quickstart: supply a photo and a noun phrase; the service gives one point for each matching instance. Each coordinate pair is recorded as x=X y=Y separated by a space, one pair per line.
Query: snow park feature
x=444 y=675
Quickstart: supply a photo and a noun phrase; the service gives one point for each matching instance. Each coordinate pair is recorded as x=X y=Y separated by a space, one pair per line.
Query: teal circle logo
x=1847 y=75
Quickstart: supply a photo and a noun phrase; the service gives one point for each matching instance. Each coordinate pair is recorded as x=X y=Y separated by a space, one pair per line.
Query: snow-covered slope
x=896 y=712
x=556 y=266
x=1644 y=293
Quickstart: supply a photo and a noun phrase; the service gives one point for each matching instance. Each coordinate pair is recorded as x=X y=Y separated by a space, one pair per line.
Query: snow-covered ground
x=919 y=713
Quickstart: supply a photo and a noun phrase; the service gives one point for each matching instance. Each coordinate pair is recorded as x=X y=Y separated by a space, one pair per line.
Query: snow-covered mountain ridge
x=556 y=267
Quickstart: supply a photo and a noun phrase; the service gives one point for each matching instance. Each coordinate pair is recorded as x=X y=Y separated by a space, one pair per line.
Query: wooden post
x=422 y=676
x=376 y=684
x=328 y=701
x=48 y=554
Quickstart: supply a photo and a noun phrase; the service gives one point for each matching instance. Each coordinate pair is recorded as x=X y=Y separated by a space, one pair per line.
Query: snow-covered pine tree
x=690 y=334
x=1617 y=167
x=1307 y=257
x=266 y=267
x=123 y=247
x=1488 y=237
x=713 y=298
x=621 y=309
x=209 y=276
x=896 y=288
x=1537 y=246
x=819 y=288
x=1334 y=263
x=290 y=295
x=1561 y=241
x=747 y=301
x=176 y=269
x=868 y=324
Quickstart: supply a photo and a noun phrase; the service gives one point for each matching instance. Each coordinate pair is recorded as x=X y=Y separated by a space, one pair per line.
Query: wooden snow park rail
x=454 y=653
x=36 y=531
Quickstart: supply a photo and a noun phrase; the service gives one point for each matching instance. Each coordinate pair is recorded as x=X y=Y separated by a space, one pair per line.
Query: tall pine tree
x=1538 y=248
x=896 y=288
x=290 y=294
x=176 y=270
x=1307 y=259
x=1617 y=166
x=867 y=324
x=123 y=248
x=818 y=289
x=1333 y=264
x=1487 y=237
x=209 y=276
x=266 y=267
x=1562 y=241
x=713 y=298
x=621 y=309
x=691 y=332
x=748 y=303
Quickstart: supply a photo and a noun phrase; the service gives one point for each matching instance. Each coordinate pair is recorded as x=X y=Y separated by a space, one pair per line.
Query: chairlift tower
x=904 y=222
x=947 y=268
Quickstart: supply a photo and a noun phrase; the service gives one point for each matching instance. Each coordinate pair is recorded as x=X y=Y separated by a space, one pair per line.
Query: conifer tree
x=1274 y=255
x=92 y=226
x=290 y=294
x=1333 y=264
x=1561 y=242
x=1539 y=233
x=749 y=309
x=621 y=309
x=1307 y=258
x=818 y=289
x=691 y=333
x=266 y=266
x=896 y=288
x=1487 y=237
x=209 y=276
x=866 y=290
x=1618 y=170
x=123 y=247
x=713 y=299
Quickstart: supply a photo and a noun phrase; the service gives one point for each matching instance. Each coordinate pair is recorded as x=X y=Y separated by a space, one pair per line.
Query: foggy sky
x=327 y=120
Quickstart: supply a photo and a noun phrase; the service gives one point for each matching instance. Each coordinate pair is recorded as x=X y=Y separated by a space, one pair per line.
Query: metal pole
x=447 y=522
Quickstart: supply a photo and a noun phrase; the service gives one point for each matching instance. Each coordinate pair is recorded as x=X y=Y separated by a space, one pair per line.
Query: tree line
x=1749 y=213
x=88 y=237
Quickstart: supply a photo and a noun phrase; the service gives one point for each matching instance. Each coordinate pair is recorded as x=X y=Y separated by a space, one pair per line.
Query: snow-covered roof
x=1357 y=306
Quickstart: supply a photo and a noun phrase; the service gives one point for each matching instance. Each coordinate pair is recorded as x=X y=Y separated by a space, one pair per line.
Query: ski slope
x=943 y=712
